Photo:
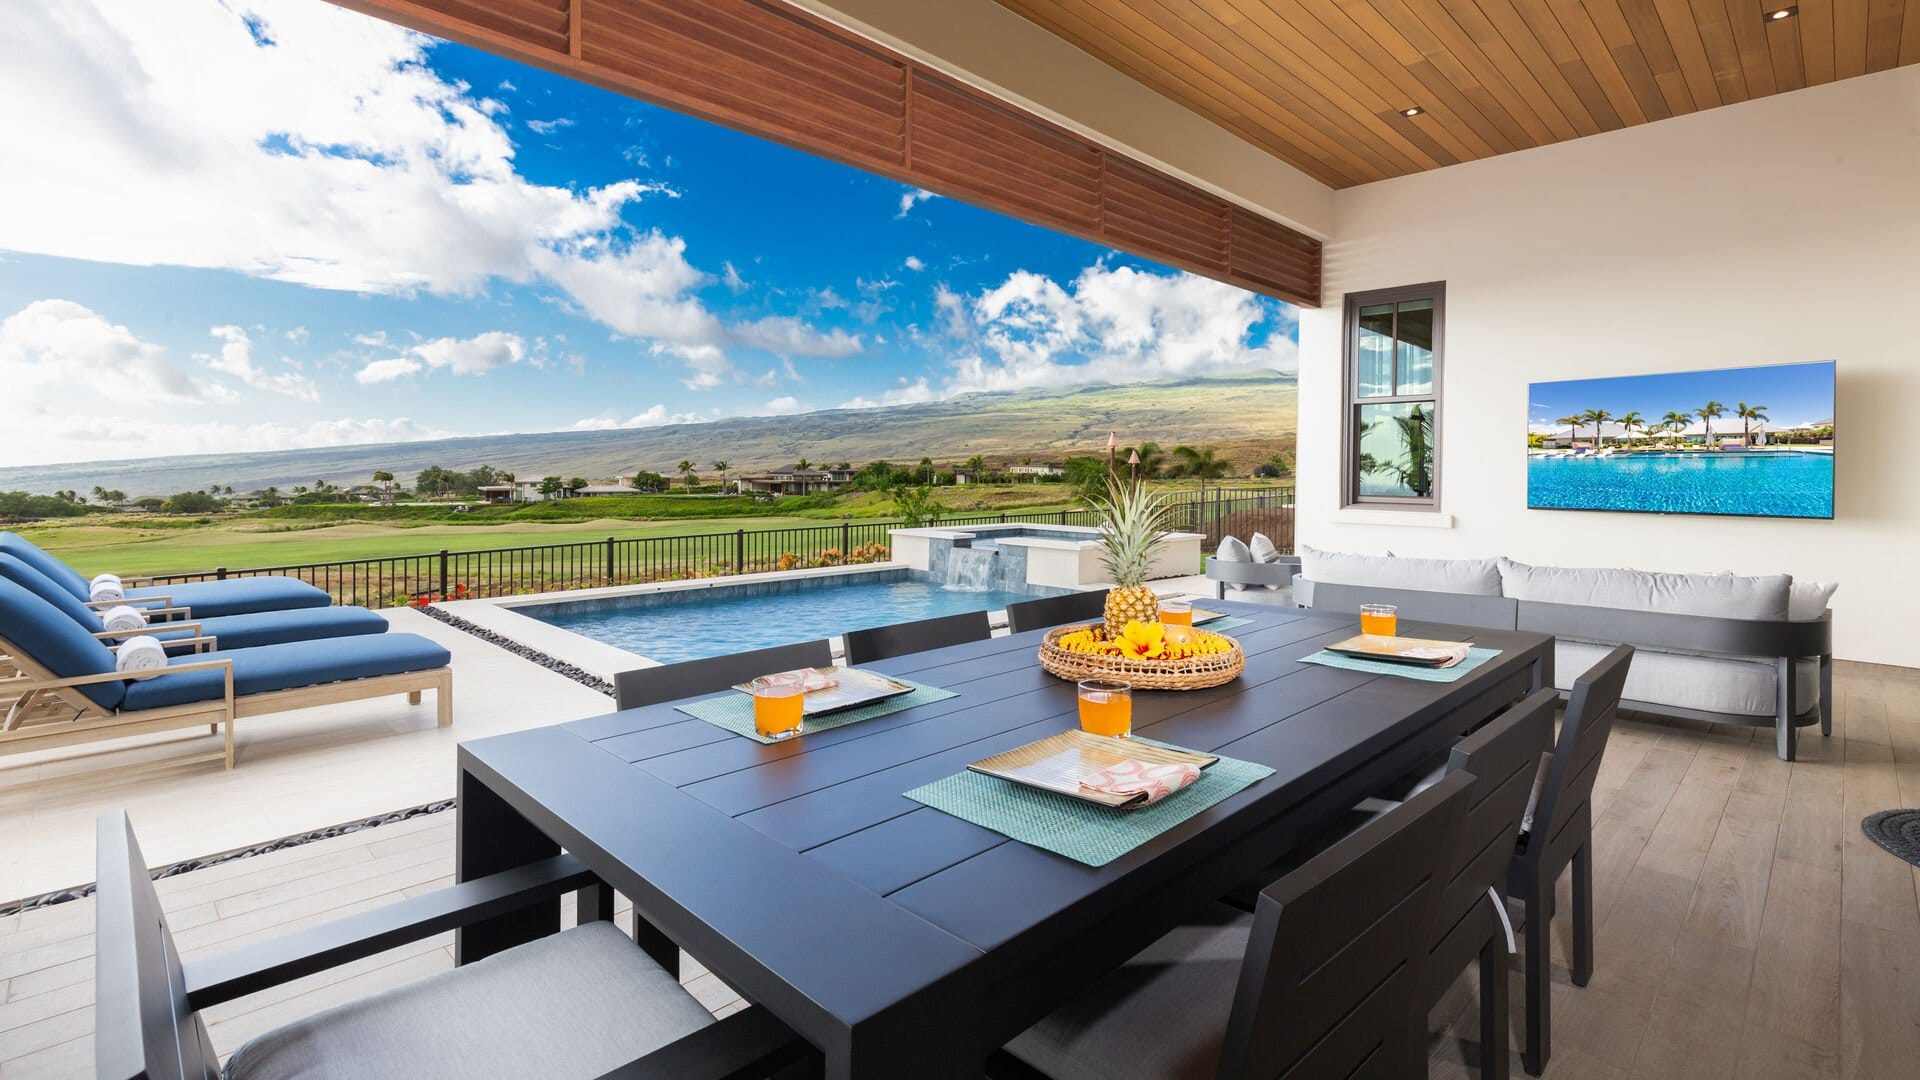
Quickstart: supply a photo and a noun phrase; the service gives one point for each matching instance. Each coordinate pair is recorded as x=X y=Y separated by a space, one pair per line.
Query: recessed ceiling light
x=1783 y=13
x=1415 y=111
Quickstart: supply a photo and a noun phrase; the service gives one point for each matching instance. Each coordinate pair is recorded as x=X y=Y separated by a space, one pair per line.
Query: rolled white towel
x=142 y=654
x=123 y=618
x=98 y=578
x=106 y=587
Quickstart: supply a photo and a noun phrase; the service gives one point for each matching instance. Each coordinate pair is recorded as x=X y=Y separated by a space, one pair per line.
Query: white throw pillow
x=1469 y=577
x=1262 y=549
x=1807 y=600
x=1711 y=595
x=1232 y=550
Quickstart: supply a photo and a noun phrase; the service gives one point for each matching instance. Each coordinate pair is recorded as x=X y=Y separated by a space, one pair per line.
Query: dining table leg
x=491 y=836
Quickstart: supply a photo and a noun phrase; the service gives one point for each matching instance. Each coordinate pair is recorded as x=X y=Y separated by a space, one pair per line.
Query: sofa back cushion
x=1807 y=600
x=56 y=571
x=1720 y=596
x=1471 y=577
x=40 y=585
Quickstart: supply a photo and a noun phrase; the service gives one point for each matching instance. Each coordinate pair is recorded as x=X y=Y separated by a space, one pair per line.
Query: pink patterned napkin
x=1451 y=656
x=1131 y=777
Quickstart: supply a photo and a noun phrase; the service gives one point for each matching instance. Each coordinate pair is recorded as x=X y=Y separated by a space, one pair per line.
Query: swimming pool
x=1779 y=483
x=675 y=625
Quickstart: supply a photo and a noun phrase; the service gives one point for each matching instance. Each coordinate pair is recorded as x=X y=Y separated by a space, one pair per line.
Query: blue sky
x=274 y=223
x=1793 y=394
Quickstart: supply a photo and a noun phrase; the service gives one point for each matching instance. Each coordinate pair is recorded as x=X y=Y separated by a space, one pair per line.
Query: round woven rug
x=1896 y=830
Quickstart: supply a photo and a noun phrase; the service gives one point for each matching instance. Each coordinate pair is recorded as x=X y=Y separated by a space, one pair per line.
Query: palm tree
x=685 y=468
x=721 y=467
x=926 y=466
x=1631 y=423
x=1707 y=413
x=1597 y=417
x=1573 y=427
x=1748 y=414
x=385 y=480
x=1153 y=460
x=1200 y=463
x=1675 y=422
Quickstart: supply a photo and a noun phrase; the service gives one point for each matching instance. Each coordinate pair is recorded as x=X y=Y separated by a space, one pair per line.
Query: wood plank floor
x=1745 y=926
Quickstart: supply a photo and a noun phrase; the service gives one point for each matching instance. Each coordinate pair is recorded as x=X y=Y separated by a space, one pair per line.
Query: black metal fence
x=588 y=564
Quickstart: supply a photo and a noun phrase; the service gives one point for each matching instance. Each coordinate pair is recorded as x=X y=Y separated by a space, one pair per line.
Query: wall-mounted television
x=1750 y=441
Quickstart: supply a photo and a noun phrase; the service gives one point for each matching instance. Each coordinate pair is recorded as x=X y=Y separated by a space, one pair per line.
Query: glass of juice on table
x=777 y=705
x=1176 y=612
x=1106 y=708
x=1380 y=620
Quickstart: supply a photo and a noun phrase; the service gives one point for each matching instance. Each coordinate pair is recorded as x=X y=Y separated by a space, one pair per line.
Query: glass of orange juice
x=1106 y=708
x=1176 y=612
x=1380 y=620
x=778 y=702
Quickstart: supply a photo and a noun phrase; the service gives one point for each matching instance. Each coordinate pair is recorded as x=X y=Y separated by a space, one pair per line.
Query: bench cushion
x=279 y=627
x=575 y=1004
x=1719 y=596
x=55 y=642
x=236 y=596
x=294 y=664
x=24 y=574
x=1471 y=577
x=1719 y=684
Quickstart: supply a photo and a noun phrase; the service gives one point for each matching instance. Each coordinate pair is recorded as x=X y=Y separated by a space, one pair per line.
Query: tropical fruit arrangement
x=1146 y=641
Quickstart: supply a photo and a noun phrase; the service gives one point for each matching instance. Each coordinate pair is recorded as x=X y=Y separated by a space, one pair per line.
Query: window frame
x=1351 y=401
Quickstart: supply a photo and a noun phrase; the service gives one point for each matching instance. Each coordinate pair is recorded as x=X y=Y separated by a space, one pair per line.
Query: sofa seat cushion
x=235 y=596
x=1742 y=687
x=279 y=627
x=290 y=665
x=1718 y=596
x=1469 y=577
x=576 y=1004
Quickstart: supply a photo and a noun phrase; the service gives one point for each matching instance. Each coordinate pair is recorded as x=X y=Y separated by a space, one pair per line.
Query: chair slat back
x=668 y=682
x=1328 y=978
x=143 y=1027
x=1591 y=708
x=1503 y=757
x=880 y=642
x=1055 y=610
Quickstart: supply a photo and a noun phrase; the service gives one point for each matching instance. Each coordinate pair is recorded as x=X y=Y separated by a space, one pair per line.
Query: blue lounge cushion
x=53 y=640
x=279 y=627
x=290 y=665
x=12 y=543
x=24 y=574
x=236 y=596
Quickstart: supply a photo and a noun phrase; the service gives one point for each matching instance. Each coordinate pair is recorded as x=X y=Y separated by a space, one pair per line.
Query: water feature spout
x=969 y=569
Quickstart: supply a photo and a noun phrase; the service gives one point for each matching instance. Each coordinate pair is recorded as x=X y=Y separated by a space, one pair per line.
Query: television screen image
x=1752 y=441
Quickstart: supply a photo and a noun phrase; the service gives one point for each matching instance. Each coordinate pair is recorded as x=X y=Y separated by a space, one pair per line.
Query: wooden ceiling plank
x=1910 y=35
x=1504 y=19
x=1482 y=85
x=1883 y=32
x=1470 y=35
x=1279 y=69
x=1723 y=52
x=1662 y=53
x=1599 y=59
x=1371 y=22
x=1630 y=59
x=1253 y=44
x=1676 y=16
x=546 y=29
x=1296 y=142
x=1815 y=27
x=1363 y=60
x=1849 y=38
x=1750 y=34
x=1783 y=44
x=1546 y=29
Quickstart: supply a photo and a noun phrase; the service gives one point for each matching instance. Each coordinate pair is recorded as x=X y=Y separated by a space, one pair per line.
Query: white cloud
x=656 y=416
x=380 y=371
x=783 y=406
x=902 y=392
x=548 y=127
x=476 y=355
x=236 y=359
x=733 y=280
x=914 y=263
x=912 y=198
x=788 y=336
x=297 y=335
x=59 y=345
x=49 y=439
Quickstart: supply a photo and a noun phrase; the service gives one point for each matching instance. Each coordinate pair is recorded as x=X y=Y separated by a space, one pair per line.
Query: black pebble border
x=61 y=896
x=526 y=652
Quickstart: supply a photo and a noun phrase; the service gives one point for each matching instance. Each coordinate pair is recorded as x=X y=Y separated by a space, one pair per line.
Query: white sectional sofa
x=1716 y=647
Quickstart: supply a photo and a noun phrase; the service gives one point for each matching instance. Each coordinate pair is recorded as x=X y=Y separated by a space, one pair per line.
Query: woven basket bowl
x=1195 y=673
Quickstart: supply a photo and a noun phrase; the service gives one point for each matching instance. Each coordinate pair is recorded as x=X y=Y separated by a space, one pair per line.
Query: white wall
x=1779 y=230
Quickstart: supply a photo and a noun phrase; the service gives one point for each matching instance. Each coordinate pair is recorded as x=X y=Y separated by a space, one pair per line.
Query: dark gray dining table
x=902 y=941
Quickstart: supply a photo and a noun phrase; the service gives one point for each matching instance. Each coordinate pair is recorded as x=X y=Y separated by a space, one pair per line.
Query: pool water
x=670 y=627
x=1773 y=483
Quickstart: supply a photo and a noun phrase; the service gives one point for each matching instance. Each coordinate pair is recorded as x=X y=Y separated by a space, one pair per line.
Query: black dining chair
x=1558 y=832
x=880 y=642
x=670 y=682
x=1315 y=983
x=1056 y=610
x=577 y=1003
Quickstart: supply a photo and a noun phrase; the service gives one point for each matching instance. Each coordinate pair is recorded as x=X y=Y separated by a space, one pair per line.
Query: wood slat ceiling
x=767 y=68
x=1321 y=83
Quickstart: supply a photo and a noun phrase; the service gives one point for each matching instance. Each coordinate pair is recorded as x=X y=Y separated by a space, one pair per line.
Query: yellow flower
x=1145 y=641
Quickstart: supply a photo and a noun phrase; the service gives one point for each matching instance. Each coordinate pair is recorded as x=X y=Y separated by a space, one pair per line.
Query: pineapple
x=1132 y=533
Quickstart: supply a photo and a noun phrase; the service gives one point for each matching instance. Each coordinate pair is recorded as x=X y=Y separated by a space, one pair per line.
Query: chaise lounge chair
x=204 y=635
x=68 y=691
x=205 y=599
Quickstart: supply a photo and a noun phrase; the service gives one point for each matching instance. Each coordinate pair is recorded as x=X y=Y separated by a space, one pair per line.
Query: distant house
x=606 y=489
x=520 y=491
x=793 y=482
x=1036 y=472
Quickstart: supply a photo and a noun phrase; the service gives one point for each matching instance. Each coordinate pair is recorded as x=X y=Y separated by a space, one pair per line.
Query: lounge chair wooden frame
x=26 y=727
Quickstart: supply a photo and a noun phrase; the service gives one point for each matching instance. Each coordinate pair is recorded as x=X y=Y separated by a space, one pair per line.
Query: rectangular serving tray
x=856 y=688
x=1393 y=650
x=1058 y=762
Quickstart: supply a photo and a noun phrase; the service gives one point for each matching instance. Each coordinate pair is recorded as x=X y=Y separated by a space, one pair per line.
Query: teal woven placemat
x=1475 y=657
x=1223 y=625
x=734 y=711
x=1082 y=831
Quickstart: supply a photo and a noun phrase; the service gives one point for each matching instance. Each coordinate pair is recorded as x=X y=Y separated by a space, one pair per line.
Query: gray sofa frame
x=1783 y=642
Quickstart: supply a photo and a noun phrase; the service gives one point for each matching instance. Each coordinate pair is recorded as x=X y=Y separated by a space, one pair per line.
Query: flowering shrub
x=868 y=553
x=788 y=560
x=828 y=557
